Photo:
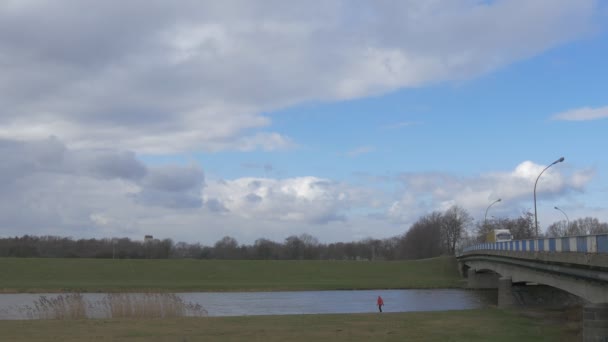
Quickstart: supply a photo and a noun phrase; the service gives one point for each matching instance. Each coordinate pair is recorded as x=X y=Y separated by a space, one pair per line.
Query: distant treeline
x=64 y=247
x=435 y=234
x=293 y=248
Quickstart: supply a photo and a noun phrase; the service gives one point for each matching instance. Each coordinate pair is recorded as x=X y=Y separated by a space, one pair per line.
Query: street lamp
x=545 y=169
x=567 y=219
x=485 y=218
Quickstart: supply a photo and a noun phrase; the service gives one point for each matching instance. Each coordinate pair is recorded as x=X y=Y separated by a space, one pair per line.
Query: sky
x=345 y=120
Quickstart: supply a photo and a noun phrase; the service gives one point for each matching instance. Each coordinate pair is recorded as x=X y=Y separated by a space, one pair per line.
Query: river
x=20 y=306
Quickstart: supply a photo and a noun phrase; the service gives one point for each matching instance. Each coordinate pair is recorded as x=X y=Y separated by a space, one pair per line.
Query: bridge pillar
x=505 y=292
x=481 y=280
x=595 y=322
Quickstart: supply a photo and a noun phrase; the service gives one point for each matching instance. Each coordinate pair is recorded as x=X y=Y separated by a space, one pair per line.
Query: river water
x=19 y=306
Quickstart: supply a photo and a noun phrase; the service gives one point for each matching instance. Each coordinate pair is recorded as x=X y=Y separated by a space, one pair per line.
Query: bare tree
x=454 y=224
x=558 y=229
x=294 y=248
x=521 y=228
x=226 y=248
x=482 y=229
x=589 y=226
x=423 y=239
x=310 y=246
x=266 y=249
x=581 y=226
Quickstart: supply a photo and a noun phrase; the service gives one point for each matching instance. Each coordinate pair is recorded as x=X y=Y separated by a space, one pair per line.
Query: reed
x=69 y=306
x=114 y=305
x=150 y=305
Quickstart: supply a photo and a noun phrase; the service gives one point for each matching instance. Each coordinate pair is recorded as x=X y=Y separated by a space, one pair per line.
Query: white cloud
x=160 y=77
x=304 y=199
x=112 y=80
x=424 y=193
x=49 y=188
x=582 y=114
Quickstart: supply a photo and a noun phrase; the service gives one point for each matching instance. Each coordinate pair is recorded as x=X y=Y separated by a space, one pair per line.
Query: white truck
x=499 y=235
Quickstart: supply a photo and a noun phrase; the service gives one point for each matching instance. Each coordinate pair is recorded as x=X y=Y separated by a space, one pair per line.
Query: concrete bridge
x=576 y=265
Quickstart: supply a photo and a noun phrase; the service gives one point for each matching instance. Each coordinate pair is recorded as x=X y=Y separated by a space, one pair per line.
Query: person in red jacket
x=380 y=303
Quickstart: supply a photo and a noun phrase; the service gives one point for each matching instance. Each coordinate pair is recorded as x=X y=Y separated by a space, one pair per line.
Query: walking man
x=380 y=303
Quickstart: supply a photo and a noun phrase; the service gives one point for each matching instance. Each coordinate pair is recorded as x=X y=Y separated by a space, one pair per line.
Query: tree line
x=301 y=247
x=434 y=234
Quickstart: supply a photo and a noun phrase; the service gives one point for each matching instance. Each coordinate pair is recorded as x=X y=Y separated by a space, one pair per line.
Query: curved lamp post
x=545 y=169
x=567 y=219
x=485 y=218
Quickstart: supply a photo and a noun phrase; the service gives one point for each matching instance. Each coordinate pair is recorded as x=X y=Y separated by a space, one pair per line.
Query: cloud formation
x=160 y=77
x=50 y=188
x=424 y=193
x=304 y=199
x=88 y=87
x=582 y=114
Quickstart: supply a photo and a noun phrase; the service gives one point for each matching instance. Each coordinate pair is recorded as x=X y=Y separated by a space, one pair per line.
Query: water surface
x=17 y=306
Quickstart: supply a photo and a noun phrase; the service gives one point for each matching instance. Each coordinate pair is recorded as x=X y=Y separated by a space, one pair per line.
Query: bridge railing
x=578 y=244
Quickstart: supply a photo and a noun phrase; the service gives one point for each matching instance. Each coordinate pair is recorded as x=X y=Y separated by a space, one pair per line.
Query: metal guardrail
x=577 y=244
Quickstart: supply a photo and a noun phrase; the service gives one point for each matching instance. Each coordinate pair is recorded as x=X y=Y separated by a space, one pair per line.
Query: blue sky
x=253 y=119
x=490 y=122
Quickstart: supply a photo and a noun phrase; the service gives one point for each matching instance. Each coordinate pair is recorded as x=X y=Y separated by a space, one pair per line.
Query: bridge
x=577 y=265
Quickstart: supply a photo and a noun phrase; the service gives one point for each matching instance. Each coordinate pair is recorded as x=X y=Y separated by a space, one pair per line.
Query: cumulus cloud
x=51 y=156
x=424 y=193
x=160 y=77
x=107 y=164
x=110 y=80
x=582 y=114
x=50 y=187
x=304 y=199
x=173 y=187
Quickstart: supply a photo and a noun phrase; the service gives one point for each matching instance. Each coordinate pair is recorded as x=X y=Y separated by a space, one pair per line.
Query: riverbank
x=184 y=275
x=472 y=325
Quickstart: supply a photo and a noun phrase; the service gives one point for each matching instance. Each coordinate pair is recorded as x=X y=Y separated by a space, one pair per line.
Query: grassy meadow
x=183 y=275
x=470 y=325
x=92 y=275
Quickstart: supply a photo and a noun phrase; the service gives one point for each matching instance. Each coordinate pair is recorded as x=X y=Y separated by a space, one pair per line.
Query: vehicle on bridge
x=499 y=235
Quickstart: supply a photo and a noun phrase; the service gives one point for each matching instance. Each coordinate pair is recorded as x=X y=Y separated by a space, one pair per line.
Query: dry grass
x=69 y=306
x=150 y=305
x=114 y=305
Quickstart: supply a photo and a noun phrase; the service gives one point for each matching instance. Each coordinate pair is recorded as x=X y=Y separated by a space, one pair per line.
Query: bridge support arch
x=481 y=280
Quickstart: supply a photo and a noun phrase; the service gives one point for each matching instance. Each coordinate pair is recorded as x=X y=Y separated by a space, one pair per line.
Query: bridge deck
x=576 y=244
x=579 y=259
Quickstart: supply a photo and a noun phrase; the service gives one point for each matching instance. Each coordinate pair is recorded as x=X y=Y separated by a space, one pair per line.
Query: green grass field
x=471 y=325
x=106 y=275
x=89 y=275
